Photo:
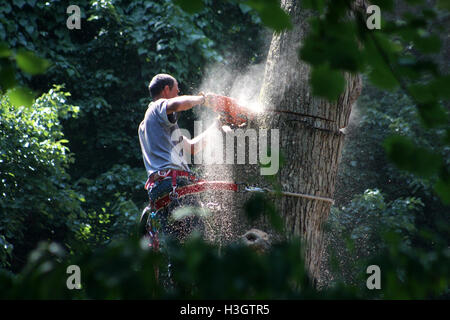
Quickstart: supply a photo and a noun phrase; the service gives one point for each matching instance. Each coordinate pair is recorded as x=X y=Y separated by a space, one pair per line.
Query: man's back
x=159 y=151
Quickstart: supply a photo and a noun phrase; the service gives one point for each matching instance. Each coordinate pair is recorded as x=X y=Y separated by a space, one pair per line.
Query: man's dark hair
x=159 y=82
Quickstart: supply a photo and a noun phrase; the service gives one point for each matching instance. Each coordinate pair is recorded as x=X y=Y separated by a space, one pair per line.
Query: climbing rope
x=289 y=194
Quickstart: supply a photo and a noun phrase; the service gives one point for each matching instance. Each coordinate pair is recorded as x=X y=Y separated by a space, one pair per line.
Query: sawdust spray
x=222 y=223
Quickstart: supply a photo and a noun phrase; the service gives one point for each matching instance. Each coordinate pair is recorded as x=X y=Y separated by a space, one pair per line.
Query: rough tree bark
x=311 y=147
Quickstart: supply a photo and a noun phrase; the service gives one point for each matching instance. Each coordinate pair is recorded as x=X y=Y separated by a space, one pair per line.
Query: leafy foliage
x=111 y=206
x=358 y=229
x=414 y=273
x=37 y=202
x=398 y=55
x=126 y=270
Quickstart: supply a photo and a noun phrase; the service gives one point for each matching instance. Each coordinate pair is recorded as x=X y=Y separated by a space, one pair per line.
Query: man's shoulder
x=157 y=111
x=156 y=103
x=154 y=106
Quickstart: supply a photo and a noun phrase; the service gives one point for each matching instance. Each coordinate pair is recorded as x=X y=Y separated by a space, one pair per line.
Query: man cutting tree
x=164 y=161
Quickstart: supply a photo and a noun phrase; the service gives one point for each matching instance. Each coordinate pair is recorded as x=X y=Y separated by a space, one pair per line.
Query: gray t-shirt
x=160 y=147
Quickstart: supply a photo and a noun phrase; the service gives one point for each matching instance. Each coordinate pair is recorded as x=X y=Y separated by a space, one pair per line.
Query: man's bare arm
x=183 y=103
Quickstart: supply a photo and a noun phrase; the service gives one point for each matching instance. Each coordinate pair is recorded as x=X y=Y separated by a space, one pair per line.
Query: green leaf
x=442 y=188
x=4 y=50
x=334 y=43
x=271 y=14
x=190 y=6
x=381 y=76
x=313 y=51
x=20 y=96
x=345 y=56
x=430 y=111
x=440 y=86
x=409 y=67
x=327 y=83
x=406 y=156
x=421 y=93
x=258 y=206
x=30 y=63
x=377 y=53
x=432 y=114
x=7 y=75
x=428 y=44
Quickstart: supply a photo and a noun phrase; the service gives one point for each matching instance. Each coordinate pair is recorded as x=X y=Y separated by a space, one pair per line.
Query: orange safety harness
x=198 y=185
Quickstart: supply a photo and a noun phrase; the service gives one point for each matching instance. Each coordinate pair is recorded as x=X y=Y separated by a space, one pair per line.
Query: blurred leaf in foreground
x=21 y=96
x=30 y=63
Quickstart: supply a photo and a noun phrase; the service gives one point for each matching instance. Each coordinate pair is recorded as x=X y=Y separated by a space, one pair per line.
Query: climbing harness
x=197 y=186
x=152 y=224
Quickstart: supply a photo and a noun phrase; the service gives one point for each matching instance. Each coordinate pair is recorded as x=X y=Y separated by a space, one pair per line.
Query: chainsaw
x=231 y=113
x=235 y=115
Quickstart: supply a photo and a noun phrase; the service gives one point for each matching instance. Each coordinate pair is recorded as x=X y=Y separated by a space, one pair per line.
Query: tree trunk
x=311 y=147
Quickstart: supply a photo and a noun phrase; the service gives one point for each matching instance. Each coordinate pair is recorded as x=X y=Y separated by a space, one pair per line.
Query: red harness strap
x=167 y=173
x=198 y=187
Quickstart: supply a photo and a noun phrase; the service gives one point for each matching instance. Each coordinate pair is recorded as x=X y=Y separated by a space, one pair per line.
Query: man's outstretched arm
x=183 y=103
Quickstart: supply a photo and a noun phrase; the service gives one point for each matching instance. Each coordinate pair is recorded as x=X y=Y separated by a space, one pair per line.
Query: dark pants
x=180 y=228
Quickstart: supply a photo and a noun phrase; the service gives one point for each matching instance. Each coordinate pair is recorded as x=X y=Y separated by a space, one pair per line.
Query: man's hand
x=211 y=99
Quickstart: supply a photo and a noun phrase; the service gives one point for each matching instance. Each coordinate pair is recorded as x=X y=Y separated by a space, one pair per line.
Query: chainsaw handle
x=210 y=100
